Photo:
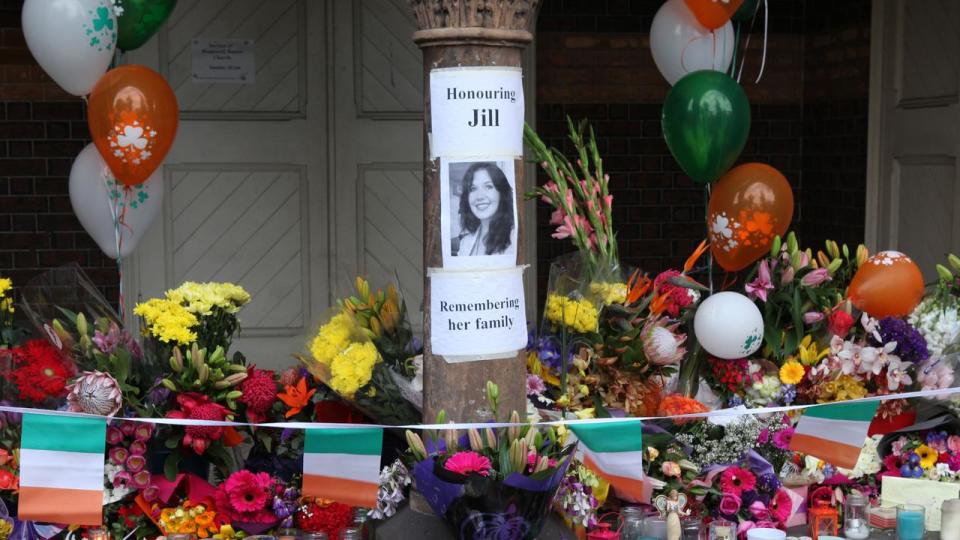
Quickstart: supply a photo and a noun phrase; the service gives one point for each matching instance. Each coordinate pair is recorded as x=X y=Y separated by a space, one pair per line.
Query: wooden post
x=457 y=33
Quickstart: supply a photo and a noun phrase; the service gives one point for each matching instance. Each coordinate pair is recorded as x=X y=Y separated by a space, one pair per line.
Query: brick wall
x=593 y=61
x=42 y=129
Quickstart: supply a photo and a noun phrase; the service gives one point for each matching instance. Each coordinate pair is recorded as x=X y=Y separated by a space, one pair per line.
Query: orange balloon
x=749 y=206
x=133 y=116
x=713 y=13
x=888 y=284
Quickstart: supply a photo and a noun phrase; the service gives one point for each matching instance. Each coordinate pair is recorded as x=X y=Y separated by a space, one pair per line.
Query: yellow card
x=930 y=494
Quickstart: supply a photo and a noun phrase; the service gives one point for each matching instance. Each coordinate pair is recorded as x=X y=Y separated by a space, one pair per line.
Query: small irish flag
x=61 y=469
x=615 y=452
x=343 y=464
x=835 y=432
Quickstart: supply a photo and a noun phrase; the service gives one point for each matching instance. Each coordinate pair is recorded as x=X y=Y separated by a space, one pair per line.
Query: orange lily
x=637 y=286
x=296 y=397
x=697 y=253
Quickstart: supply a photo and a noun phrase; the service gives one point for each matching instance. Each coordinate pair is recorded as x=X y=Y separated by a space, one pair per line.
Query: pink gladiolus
x=815 y=277
x=608 y=201
x=556 y=218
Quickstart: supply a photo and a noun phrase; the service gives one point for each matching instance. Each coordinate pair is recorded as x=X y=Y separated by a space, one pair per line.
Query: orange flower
x=676 y=404
x=637 y=286
x=296 y=397
x=697 y=253
x=660 y=303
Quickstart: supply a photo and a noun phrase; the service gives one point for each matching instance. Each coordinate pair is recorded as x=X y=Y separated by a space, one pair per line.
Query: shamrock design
x=101 y=29
x=132 y=135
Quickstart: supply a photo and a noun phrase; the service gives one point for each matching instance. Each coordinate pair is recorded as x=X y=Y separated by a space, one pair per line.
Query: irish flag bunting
x=834 y=433
x=615 y=452
x=343 y=464
x=61 y=469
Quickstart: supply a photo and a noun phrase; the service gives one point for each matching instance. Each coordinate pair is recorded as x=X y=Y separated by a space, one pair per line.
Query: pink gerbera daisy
x=781 y=505
x=247 y=491
x=468 y=462
x=736 y=480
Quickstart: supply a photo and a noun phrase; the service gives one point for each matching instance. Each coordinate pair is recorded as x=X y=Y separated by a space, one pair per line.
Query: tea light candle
x=910 y=522
x=856 y=529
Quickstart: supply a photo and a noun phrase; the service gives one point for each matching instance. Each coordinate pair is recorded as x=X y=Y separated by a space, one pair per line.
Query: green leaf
x=172 y=441
x=600 y=410
x=172 y=464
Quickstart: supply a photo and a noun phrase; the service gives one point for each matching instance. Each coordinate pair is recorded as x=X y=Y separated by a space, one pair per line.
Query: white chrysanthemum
x=869 y=461
x=938 y=321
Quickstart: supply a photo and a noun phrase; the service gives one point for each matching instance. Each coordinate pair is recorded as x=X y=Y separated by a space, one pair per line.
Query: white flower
x=897 y=373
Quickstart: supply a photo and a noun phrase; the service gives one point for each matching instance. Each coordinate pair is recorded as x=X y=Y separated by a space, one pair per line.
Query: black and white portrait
x=480 y=212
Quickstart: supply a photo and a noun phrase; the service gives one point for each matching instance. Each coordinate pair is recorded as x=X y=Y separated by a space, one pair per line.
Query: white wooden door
x=913 y=181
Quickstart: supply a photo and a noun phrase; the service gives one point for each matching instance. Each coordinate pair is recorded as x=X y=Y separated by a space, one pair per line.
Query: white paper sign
x=928 y=493
x=478 y=213
x=477 y=313
x=476 y=111
x=223 y=61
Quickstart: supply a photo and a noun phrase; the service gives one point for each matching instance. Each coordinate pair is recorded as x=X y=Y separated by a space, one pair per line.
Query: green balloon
x=140 y=21
x=706 y=120
x=746 y=11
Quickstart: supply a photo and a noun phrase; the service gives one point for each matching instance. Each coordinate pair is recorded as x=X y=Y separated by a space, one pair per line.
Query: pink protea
x=135 y=464
x=95 y=392
x=114 y=436
x=468 y=462
x=662 y=345
x=138 y=448
x=140 y=480
x=118 y=455
x=143 y=432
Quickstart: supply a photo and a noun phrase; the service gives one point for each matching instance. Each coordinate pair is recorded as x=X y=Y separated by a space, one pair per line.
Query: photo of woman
x=486 y=211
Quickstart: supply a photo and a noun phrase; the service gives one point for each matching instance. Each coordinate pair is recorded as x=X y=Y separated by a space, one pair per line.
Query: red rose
x=839 y=323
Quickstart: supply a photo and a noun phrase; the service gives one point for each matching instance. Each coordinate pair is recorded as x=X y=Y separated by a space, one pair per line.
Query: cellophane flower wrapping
x=346 y=360
x=478 y=506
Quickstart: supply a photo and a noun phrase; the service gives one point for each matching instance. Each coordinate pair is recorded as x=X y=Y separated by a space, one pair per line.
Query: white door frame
x=873 y=211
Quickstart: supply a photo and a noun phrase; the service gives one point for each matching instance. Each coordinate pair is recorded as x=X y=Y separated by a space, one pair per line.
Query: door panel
x=913 y=180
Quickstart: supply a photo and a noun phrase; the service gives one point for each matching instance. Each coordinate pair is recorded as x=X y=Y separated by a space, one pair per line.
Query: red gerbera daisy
x=40 y=371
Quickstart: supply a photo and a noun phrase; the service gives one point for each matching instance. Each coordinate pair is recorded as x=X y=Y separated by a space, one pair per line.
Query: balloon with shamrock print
x=681 y=45
x=140 y=20
x=72 y=40
x=888 y=284
x=749 y=206
x=728 y=325
x=132 y=115
x=706 y=120
x=106 y=207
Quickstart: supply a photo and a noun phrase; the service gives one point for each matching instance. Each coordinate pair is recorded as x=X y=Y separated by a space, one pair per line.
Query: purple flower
x=954 y=462
x=748 y=497
x=114 y=338
x=159 y=394
x=768 y=482
x=535 y=385
x=789 y=394
x=911 y=345
x=548 y=352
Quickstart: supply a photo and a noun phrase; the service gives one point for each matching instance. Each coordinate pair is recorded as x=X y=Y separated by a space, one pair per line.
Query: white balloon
x=95 y=195
x=72 y=40
x=681 y=45
x=728 y=325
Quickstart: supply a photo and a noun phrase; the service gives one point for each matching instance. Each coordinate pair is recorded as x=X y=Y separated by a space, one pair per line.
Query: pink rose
x=759 y=510
x=953 y=443
x=670 y=468
x=729 y=504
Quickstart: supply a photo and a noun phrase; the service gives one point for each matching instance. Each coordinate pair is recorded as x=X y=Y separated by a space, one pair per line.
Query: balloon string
x=706 y=209
x=733 y=56
x=746 y=45
x=766 y=28
x=117 y=217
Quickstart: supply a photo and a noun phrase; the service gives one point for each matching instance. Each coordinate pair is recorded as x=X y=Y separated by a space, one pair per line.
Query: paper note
x=929 y=494
x=476 y=111
x=479 y=312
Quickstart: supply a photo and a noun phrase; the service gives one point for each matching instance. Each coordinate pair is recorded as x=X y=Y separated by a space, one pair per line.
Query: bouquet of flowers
x=344 y=358
x=491 y=482
x=929 y=454
x=711 y=443
x=10 y=335
x=748 y=492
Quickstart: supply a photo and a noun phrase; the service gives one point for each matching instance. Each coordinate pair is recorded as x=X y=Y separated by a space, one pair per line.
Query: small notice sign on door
x=223 y=61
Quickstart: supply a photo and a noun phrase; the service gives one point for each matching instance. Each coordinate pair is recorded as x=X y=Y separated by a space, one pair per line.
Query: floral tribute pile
x=611 y=342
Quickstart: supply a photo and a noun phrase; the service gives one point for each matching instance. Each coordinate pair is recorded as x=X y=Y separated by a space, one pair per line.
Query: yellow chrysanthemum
x=928 y=456
x=808 y=353
x=608 y=293
x=536 y=368
x=792 y=373
x=167 y=321
x=202 y=298
x=579 y=315
x=842 y=388
x=5 y=285
x=351 y=370
x=332 y=338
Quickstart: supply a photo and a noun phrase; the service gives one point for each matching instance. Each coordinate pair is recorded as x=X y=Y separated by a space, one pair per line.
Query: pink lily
x=758 y=287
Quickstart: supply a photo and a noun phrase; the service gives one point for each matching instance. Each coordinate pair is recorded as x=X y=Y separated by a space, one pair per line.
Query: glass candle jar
x=910 y=522
x=722 y=529
x=633 y=517
x=855 y=520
